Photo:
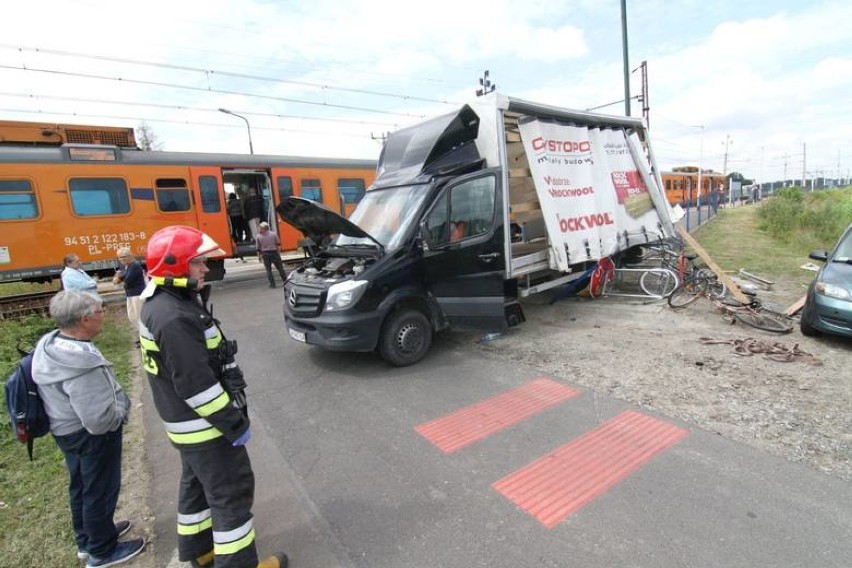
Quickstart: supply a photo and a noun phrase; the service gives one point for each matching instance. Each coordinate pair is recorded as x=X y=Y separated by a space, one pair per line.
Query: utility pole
x=626 y=60
x=485 y=83
x=804 y=156
x=643 y=97
x=785 y=169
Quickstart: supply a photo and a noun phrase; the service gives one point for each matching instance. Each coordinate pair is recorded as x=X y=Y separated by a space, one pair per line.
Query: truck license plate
x=297 y=335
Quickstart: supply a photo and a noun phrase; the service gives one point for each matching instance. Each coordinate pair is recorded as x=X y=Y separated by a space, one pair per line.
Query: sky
x=754 y=86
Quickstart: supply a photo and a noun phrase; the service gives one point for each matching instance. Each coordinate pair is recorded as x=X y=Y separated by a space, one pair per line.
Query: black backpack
x=26 y=409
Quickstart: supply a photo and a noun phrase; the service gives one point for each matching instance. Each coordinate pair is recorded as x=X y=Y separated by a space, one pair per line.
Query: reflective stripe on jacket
x=179 y=341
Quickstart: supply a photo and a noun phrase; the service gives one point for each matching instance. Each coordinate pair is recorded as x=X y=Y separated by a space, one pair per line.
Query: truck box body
x=470 y=211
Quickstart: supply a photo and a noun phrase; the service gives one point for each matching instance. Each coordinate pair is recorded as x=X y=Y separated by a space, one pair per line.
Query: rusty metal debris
x=774 y=350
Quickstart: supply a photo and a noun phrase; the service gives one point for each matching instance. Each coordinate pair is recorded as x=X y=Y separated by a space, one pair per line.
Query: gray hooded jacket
x=77 y=386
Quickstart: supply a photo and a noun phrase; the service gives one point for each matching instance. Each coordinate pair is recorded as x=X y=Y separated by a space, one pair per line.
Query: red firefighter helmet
x=171 y=248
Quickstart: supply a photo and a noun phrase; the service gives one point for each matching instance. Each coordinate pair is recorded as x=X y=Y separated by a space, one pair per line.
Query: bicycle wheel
x=765 y=320
x=687 y=293
x=658 y=282
x=715 y=287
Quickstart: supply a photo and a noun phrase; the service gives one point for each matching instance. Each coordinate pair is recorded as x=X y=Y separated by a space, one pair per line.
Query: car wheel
x=406 y=337
x=805 y=324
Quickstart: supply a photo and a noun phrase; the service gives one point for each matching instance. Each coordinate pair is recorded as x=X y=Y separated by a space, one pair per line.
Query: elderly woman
x=87 y=410
x=75 y=278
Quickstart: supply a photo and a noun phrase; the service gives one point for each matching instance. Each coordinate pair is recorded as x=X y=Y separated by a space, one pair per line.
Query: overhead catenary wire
x=208 y=90
x=36 y=96
x=231 y=74
x=186 y=122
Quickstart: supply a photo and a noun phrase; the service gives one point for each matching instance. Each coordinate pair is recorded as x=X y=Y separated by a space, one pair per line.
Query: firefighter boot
x=203 y=561
x=279 y=560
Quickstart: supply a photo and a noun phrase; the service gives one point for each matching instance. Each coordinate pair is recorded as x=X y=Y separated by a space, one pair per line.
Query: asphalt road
x=345 y=479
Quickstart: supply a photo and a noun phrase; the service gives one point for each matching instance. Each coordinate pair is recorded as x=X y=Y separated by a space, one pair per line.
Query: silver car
x=828 y=307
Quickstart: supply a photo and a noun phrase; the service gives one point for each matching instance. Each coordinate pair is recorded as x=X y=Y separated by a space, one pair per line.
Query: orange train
x=681 y=185
x=59 y=195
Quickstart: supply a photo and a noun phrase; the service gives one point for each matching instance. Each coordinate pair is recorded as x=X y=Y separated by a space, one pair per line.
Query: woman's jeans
x=94 y=470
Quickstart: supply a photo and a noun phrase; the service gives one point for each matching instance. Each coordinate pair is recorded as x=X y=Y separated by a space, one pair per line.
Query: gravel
x=650 y=355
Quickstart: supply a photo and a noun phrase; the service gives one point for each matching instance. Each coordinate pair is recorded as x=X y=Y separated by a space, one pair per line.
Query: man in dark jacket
x=254 y=209
x=132 y=277
x=87 y=410
x=198 y=391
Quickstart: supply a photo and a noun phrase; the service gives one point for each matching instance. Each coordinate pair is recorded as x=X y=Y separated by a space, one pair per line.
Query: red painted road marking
x=472 y=423
x=561 y=483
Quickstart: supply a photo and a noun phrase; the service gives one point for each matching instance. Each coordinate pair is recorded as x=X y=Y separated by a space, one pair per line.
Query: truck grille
x=303 y=301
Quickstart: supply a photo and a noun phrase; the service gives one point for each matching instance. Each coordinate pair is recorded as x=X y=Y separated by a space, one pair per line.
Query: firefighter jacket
x=182 y=356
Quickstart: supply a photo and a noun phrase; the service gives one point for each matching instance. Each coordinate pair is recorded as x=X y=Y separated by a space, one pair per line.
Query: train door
x=210 y=208
x=284 y=180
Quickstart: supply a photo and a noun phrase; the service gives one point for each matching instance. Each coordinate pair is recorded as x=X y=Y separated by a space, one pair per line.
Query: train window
x=668 y=185
x=311 y=189
x=17 y=200
x=350 y=190
x=99 y=196
x=285 y=188
x=209 y=187
x=172 y=194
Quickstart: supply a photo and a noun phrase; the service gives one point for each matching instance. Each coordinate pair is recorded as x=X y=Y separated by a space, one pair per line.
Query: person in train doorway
x=73 y=276
x=253 y=209
x=199 y=393
x=268 y=245
x=238 y=222
x=131 y=275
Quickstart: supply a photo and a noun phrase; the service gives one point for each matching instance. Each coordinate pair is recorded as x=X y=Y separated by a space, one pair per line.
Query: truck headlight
x=831 y=291
x=344 y=294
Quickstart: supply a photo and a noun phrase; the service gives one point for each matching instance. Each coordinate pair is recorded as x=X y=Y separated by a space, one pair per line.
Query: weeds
x=806 y=221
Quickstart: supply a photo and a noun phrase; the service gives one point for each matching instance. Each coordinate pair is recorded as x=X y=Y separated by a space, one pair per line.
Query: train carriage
x=91 y=199
x=681 y=186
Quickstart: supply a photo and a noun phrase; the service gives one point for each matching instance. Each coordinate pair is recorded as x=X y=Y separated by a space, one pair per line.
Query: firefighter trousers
x=214 y=506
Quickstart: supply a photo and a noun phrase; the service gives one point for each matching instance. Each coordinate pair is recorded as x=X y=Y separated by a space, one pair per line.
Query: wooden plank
x=519 y=172
x=516 y=156
x=523 y=207
x=796 y=306
x=717 y=270
x=512 y=136
x=527 y=216
x=758 y=279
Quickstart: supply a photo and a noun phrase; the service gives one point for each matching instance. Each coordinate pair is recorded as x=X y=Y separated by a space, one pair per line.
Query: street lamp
x=248 y=127
x=700 y=159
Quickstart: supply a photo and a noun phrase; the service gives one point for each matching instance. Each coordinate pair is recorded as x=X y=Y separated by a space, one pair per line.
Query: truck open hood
x=317 y=222
x=438 y=146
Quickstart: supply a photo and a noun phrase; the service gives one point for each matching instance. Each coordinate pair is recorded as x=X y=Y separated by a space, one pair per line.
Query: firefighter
x=198 y=390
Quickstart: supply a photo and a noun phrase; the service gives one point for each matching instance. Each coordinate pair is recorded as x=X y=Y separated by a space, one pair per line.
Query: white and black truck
x=469 y=212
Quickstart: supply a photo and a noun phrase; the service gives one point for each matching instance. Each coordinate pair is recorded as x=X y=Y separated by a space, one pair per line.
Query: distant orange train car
x=681 y=185
x=59 y=197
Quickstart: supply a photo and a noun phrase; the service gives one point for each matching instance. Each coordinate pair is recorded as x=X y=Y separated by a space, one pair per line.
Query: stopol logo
x=540 y=144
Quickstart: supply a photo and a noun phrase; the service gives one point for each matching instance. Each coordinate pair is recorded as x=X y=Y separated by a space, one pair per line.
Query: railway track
x=20 y=305
x=37 y=303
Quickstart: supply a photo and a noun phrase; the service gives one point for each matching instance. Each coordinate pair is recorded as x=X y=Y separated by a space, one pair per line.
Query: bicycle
x=700 y=281
x=753 y=313
x=656 y=283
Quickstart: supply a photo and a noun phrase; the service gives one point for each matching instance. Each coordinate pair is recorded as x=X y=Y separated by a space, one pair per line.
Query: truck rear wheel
x=406 y=337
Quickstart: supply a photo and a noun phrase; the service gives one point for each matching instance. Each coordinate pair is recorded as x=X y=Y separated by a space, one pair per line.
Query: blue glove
x=242 y=440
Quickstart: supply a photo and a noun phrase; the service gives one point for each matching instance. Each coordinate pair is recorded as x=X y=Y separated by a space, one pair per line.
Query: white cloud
x=771 y=76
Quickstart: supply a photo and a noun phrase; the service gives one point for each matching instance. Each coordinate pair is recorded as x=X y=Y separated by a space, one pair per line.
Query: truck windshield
x=386 y=214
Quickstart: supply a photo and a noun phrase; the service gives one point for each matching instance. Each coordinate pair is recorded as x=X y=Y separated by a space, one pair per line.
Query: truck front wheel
x=406 y=337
